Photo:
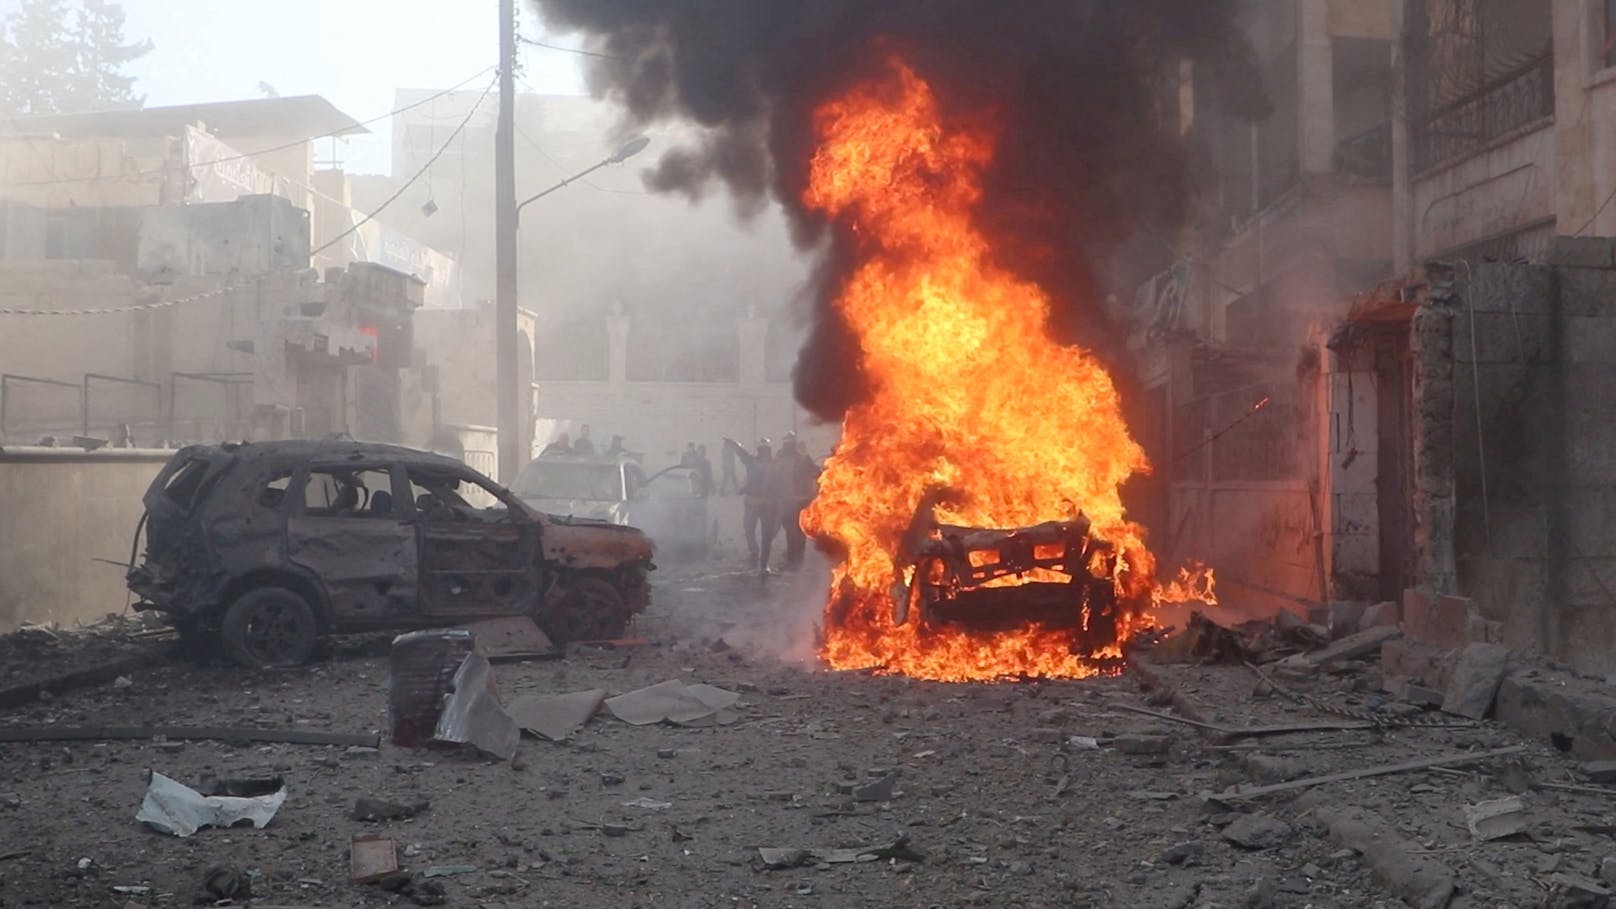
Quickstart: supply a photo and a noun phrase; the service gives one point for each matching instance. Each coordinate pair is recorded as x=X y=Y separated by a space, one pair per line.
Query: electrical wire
x=411 y=181
x=265 y=151
x=569 y=50
x=563 y=168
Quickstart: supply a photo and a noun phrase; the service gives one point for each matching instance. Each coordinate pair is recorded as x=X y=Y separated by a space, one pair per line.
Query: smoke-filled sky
x=1086 y=161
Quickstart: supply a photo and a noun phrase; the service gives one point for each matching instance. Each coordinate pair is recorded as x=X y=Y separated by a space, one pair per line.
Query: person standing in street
x=583 y=446
x=758 y=536
x=803 y=486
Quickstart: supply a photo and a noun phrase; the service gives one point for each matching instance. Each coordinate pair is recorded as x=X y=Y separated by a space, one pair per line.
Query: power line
x=266 y=151
x=569 y=50
x=563 y=168
x=133 y=307
x=411 y=181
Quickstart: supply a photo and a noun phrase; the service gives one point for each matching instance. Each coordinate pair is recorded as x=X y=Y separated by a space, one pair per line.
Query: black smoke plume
x=1088 y=158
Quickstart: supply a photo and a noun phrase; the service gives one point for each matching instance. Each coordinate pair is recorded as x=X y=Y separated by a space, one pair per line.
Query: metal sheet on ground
x=556 y=716
x=673 y=701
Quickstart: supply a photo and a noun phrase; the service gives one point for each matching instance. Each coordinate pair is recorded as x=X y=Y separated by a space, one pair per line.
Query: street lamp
x=624 y=152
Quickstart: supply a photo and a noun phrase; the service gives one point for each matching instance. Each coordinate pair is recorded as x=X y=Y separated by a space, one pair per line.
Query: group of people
x=564 y=444
x=776 y=489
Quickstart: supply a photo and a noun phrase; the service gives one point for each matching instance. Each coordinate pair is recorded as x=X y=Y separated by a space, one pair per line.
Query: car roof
x=297 y=450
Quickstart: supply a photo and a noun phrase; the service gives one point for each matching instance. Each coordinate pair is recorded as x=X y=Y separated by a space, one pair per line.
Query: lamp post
x=624 y=152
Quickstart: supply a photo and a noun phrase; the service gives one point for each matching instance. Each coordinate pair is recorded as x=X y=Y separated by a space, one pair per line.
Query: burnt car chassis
x=960 y=578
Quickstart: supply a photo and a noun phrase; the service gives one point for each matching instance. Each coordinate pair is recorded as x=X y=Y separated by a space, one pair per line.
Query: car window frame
x=297 y=492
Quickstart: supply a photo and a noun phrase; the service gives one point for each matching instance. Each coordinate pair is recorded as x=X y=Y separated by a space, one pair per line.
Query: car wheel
x=590 y=609
x=269 y=626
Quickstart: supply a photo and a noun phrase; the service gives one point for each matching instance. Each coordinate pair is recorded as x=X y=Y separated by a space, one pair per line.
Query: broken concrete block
x=1387 y=613
x=1599 y=771
x=1438 y=619
x=1351 y=647
x=1425 y=664
x=1475 y=681
x=1421 y=881
x=1257 y=831
x=1411 y=692
x=1496 y=818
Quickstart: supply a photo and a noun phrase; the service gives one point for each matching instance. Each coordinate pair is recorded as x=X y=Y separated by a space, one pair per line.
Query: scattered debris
x=880 y=790
x=1419 y=880
x=1074 y=743
x=648 y=804
x=556 y=716
x=423 y=665
x=448 y=870
x=1352 y=647
x=1496 y=818
x=1249 y=731
x=1599 y=771
x=1142 y=744
x=1475 y=680
x=175 y=808
x=223 y=883
x=675 y=702
x=371 y=858
x=1467 y=757
x=1257 y=831
x=512 y=638
x=1574 y=891
x=369 y=809
x=182 y=733
x=776 y=859
x=472 y=714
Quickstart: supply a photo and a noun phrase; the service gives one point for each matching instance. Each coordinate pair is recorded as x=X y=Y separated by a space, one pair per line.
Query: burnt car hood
x=582 y=543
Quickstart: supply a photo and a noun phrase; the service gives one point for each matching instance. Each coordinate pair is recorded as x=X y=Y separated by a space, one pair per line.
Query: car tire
x=269 y=627
x=589 y=609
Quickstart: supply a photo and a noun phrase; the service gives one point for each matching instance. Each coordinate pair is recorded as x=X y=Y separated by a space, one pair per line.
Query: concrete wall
x=63 y=510
x=1498 y=190
x=1535 y=475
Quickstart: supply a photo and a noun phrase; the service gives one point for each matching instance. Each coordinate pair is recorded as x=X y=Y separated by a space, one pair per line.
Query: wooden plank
x=1465 y=757
x=193 y=733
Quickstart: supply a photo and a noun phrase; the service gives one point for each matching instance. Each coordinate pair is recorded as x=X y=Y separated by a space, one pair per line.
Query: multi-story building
x=1333 y=419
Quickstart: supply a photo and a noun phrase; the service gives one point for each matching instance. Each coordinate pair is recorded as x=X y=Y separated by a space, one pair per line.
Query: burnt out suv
x=265 y=546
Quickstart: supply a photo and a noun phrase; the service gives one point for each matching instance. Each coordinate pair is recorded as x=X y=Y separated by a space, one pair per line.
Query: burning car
x=266 y=546
x=1053 y=575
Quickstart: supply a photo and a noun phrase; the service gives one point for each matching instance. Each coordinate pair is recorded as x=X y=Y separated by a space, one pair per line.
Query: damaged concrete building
x=1377 y=363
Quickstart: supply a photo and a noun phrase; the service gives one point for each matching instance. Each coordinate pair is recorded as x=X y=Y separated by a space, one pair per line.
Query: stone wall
x=1534 y=450
x=63 y=510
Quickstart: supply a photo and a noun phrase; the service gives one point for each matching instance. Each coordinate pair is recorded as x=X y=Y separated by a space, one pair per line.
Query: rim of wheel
x=274 y=633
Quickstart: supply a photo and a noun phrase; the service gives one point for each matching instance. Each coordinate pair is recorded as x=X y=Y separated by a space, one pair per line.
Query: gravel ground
x=996 y=804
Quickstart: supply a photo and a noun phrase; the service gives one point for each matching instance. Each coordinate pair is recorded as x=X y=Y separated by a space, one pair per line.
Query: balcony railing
x=1496 y=108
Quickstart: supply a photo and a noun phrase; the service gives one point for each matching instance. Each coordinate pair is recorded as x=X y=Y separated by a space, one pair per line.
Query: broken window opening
x=273 y=493
x=348 y=492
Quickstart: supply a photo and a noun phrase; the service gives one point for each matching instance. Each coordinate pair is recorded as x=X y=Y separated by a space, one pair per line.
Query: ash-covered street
x=868 y=790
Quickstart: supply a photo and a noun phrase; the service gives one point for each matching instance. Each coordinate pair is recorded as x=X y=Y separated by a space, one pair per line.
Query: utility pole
x=505 y=333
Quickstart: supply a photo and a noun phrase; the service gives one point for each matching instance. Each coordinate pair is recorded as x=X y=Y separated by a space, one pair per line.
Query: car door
x=475 y=561
x=346 y=527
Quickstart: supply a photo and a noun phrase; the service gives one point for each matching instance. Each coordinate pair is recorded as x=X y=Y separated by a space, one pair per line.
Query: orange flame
x=968 y=393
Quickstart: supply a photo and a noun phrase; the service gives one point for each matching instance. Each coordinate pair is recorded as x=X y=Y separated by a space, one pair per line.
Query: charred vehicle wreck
x=1053 y=575
x=264 y=547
